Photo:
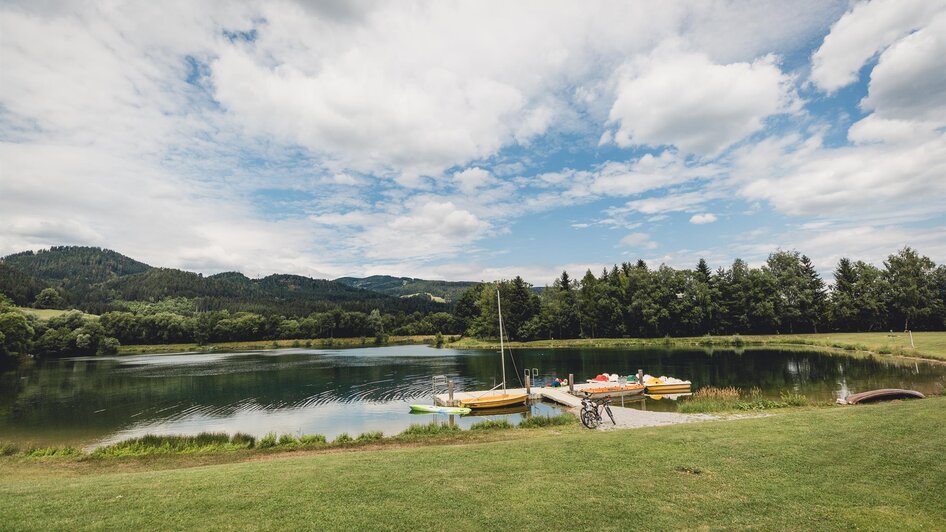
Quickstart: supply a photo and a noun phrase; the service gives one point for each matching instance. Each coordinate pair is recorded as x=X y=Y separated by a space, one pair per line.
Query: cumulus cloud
x=684 y=99
x=394 y=137
x=705 y=218
x=909 y=81
x=865 y=30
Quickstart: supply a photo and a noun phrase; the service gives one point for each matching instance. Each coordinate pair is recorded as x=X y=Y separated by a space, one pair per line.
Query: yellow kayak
x=494 y=401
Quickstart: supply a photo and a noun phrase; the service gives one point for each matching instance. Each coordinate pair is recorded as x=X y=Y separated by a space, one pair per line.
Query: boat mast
x=502 y=356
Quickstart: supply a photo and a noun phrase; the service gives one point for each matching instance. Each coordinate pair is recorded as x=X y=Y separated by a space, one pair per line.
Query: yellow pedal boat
x=494 y=401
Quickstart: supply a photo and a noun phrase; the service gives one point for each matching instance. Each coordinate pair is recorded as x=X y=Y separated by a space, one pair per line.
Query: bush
x=108 y=346
x=312 y=440
x=244 y=440
x=266 y=442
x=491 y=424
x=287 y=440
x=547 y=421
x=342 y=439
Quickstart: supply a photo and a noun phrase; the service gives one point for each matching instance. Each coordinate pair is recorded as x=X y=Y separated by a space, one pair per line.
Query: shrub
x=312 y=440
x=244 y=440
x=342 y=439
x=547 y=421
x=491 y=424
x=794 y=399
x=286 y=440
x=267 y=441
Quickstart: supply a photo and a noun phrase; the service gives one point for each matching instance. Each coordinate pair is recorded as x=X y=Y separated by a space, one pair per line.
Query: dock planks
x=558 y=395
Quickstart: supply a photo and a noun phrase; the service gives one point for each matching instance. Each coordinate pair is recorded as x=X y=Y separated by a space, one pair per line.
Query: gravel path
x=629 y=418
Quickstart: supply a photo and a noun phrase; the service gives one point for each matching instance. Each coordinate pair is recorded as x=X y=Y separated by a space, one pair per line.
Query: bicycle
x=591 y=411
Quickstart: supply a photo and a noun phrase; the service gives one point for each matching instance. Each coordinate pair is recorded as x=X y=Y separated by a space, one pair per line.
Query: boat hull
x=494 y=401
x=613 y=391
x=679 y=387
x=430 y=409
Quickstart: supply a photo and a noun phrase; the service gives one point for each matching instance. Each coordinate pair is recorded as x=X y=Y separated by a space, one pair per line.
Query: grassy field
x=928 y=344
x=273 y=344
x=873 y=467
x=46 y=313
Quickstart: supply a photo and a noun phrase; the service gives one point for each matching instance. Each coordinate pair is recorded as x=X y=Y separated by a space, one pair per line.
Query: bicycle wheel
x=589 y=419
x=610 y=414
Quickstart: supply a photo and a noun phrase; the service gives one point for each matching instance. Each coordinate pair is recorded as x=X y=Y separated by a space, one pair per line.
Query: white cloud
x=705 y=218
x=876 y=181
x=639 y=241
x=865 y=30
x=672 y=202
x=145 y=128
x=909 y=81
x=469 y=180
x=679 y=98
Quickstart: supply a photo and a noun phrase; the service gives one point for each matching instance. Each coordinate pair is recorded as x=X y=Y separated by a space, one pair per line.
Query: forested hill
x=408 y=286
x=99 y=280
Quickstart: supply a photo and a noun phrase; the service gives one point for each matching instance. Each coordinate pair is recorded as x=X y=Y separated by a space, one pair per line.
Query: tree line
x=784 y=295
x=76 y=333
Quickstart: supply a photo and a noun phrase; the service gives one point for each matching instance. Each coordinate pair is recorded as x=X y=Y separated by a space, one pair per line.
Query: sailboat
x=504 y=399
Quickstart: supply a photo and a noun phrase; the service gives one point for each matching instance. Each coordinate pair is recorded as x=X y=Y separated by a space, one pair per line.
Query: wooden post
x=528 y=384
x=450 y=393
x=571 y=382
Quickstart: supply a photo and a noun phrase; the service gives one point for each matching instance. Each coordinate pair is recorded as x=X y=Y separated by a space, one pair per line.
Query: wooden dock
x=558 y=395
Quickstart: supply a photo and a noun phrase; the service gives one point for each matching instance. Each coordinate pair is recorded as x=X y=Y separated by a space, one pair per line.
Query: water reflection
x=88 y=400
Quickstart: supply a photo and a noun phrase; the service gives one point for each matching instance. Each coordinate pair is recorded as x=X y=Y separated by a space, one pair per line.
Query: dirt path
x=629 y=418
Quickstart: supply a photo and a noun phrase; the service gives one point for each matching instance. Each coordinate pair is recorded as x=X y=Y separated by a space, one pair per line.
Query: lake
x=96 y=400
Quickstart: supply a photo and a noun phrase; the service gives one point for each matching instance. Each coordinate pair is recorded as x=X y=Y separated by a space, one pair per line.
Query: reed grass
x=713 y=399
x=491 y=424
x=548 y=421
x=429 y=429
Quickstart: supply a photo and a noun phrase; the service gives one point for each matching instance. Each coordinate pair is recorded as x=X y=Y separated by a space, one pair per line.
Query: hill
x=409 y=286
x=22 y=288
x=98 y=280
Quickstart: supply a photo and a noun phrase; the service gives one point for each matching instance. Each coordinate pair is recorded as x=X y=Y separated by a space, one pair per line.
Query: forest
x=786 y=294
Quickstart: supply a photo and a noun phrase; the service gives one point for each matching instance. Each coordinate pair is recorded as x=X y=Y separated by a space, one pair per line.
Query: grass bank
x=818 y=469
x=274 y=344
x=931 y=345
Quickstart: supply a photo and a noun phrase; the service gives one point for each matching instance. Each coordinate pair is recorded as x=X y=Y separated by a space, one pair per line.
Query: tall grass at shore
x=713 y=399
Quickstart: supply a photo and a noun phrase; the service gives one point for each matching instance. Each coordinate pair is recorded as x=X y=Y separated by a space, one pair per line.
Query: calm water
x=88 y=401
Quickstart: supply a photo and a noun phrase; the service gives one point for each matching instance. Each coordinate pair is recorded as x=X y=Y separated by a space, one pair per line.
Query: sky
x=473 y=140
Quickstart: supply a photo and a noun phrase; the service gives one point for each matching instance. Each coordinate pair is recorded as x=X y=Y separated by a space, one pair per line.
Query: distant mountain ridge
x=409 y=286
x=98 y=280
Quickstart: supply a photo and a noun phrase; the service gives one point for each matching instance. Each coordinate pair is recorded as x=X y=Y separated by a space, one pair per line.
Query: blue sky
x=473 y=140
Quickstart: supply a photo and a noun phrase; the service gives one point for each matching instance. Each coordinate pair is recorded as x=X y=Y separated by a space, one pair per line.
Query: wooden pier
x=561 y=395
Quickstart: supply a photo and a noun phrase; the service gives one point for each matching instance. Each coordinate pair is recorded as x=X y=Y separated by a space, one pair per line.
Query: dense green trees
x=16 y=331
x=49 y=298
x=785 y=295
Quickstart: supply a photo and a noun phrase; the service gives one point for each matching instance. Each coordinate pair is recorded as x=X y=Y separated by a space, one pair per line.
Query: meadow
x=875 y=467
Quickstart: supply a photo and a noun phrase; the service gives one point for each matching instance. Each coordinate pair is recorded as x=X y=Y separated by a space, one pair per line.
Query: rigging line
x=518 y=375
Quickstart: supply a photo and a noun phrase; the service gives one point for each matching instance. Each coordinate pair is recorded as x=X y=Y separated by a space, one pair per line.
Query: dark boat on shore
x=886 y=394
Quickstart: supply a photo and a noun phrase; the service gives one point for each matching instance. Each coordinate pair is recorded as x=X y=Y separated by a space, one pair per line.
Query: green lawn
x=874 y=467
x=928 y=344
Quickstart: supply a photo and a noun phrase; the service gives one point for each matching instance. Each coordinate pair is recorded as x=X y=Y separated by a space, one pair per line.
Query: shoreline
x=892 y=345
